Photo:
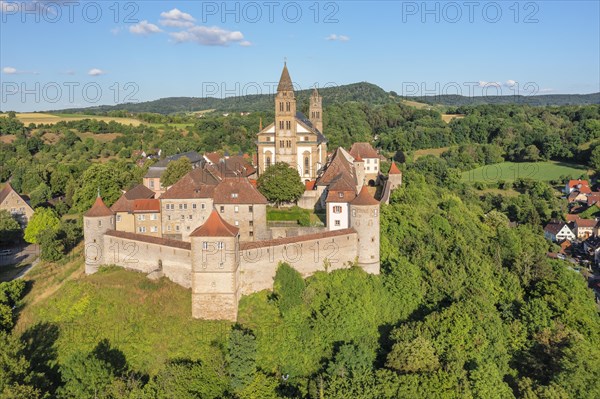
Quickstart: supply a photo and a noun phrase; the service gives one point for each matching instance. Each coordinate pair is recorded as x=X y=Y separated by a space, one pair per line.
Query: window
x=368 y=160
x=251 y=223
x=187 y=228
x=368 y=168
x=280 y=125
x=182 y=217
x=236 y=209
x=154 y=216
x=287 y=106
x=306 y=164
x=168 y=228
x=220 y=245
x=222 y=209
x=353 y=212
x=337 y=223
x=168 y=217
x=154 y=229
x=142 y=229
x=268 y=138
x=341 y=194
x=204 y=245
x=151 y=183
x=250 y=208
x=268 y=162
x=180 y=206
x=281 y=106
x=305 y=138
x=234 y=195
x=170 y=207
x=251 y=233
x=118 y=218
x=236 y=223
x=99 y=223
x=203 y=206
x=190 y=217
x=141 y=217
x=375 y=168
x=193 y=206
x=337 y=209
x=281 y=143
x=288 y=125
x=177 y=228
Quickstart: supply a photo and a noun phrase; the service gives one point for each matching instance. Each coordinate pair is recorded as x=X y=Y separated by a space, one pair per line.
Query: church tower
x=96 y=222
x=285 y=120
x=316 y=111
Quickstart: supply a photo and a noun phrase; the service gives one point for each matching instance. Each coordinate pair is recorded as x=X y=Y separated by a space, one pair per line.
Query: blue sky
x=72 y=54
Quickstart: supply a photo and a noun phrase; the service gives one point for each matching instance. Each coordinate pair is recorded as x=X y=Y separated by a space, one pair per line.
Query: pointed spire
x=285 y=82
x=364 y=198
x=215 y=226
x=315 y=92
x=99 y=209
x=394 y=169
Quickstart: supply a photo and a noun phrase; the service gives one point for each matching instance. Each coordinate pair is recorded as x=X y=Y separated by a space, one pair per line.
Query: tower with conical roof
x=215 y=269
x=315 y=111
x=96 y=222
x=394 y=176
x=364 y=218
x=285 y=118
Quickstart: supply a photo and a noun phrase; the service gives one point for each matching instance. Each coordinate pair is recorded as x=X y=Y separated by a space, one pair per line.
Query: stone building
x=213 y=235
x=17 y=205
x=293 y=138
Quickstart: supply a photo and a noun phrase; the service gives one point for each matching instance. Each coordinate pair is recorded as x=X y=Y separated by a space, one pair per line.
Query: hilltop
x=360 y=92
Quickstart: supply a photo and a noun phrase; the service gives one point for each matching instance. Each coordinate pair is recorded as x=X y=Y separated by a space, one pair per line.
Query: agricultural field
x=449 y=117
x=430 y=151
x=510 y=171
x=38 y=117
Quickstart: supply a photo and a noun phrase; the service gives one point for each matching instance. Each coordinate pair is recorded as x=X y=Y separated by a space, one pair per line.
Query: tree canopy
x=280 y=183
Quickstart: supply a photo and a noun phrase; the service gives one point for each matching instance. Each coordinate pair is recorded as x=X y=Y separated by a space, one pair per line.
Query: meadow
x=39 y=117
x=510 y=171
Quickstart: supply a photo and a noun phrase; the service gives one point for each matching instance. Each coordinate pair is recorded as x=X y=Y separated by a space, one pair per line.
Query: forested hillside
x=535 y=100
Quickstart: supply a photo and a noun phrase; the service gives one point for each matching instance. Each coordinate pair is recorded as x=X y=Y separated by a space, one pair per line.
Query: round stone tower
x=96 y=222
x=215 y=270
x=364 y=218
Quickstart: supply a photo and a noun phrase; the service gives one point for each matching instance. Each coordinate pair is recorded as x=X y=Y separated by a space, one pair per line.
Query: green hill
x=541 y=100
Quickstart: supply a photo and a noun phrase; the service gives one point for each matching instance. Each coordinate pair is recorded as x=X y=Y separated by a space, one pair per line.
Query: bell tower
x=285 y=120
x=316 y=110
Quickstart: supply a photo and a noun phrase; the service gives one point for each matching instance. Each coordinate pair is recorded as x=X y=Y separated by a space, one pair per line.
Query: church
x=293 y=138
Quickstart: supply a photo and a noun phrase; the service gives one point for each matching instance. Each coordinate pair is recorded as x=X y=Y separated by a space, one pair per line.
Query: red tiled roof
x=571 y=218
x=363 y=150
x=364 y=198
x=574 y=183
x=593 y=198
x=213 y=157
x=122 y=205
x=198 y=183
x=215 y=226
x=139 y=192
x=584 y=189
x=394 y=169
x=149 y=239
x=586 y=222
x=554 y=227
x=146 y=205
x=248 y=246
x=99 y=209
x=237 y=190
x=340 y=166
x=309 y=185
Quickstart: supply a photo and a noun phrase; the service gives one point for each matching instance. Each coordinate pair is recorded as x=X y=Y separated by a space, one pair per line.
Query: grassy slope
x=150 y=321
x=38 y=117
x=509 y=171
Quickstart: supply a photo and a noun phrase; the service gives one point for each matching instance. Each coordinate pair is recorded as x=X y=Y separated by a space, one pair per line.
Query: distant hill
x=362 y=92
x=541 y=100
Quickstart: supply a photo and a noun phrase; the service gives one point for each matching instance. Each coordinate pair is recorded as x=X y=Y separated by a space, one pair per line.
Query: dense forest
x=532 y=100
x=466 y=307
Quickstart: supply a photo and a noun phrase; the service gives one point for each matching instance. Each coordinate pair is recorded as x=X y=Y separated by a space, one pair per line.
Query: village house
x=17 y=205
x=558 y=231
x=584 y=228
x=583 y=186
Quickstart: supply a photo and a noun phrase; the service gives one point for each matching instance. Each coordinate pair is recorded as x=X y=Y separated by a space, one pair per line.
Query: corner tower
x=316 y=110
x=364 y=218
x=285 y=120
x=215 y=270
x=96 y=222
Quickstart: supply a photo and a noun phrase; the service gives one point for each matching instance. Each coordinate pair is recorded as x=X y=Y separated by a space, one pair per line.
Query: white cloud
x=208 y=36
x=116 y=30
x=176 y=18
x=144 y=28
x=246 y=43
x=340 y=38
x=483 y=83
x=10 y=70
x=96 y=72
x=510 y=83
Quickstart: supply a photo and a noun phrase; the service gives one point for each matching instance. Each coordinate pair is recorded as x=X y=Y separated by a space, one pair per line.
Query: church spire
x=285 y=82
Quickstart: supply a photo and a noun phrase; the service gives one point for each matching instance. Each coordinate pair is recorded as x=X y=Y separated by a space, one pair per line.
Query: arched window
x=306 y=165
x=281 y=106
x=268 y=161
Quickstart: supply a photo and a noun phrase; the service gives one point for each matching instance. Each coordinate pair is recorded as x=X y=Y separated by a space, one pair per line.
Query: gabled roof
x=554 y=227
x=5 y=191
x=237 y=190
x=586 y=222
x=139 y=192
x=285 y=82
x=575 y=183
x=215 y=226
x=303 y=120
x=363 y=150
x=99 y=209
x=341 y=165
x=394 y=169
x=193 y=156
x=212 y=157
x=198 y=183
x=364 y=198
x=146 y=205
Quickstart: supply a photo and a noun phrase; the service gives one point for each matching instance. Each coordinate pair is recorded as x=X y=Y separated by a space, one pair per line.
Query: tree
x=42 y=219
x=175 y=171
x=10 y=230
x=40 y=195
x=51 y=243
x=417 y=355
x=281 y=183
x=288 y=287
x=241 y=357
